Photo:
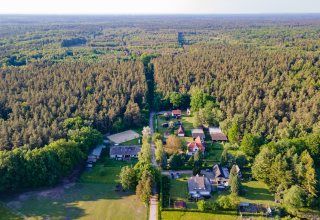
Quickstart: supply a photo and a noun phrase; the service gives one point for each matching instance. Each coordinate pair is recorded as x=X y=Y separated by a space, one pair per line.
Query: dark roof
x=125 y=150
x=217 y=171
x=199 y=183
x=197 y=132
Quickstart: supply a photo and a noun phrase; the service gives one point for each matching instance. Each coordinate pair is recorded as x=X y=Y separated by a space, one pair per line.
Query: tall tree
x=126 y=176
x=233 y=132
x=159 y=150
x=163 y=159
x=176 y=99
x=196 y=120
x=236 y=187
x=175 y=162
x=250 y=145
x=233 y=173
x=146 y=153
x=198 y=158
x=224 y=157
x=198 y=100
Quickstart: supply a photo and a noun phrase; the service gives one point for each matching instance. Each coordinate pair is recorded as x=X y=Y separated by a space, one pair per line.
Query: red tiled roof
x=180 y=130
x=176 y=112
x=192 y=145
x=166 y=133
x=181 y=204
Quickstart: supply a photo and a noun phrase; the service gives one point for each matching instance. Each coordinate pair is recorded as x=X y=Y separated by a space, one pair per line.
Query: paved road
x=154 y=200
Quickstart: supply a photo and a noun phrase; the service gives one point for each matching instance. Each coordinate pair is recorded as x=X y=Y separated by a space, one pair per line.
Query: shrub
x=102 y=172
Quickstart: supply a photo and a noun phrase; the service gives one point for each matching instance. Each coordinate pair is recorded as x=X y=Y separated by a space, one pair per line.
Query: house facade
x=199 y=185
x=194 y=146
x=125 y=151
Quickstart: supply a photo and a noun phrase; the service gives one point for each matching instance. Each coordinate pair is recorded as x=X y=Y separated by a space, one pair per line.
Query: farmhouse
x=194 y=146
x=216 y=134
x=176 y=113
x=197 y=133
x=222 y=174
x=95 y=153
x=180 y=131
x=199 y=186
x=125 y=151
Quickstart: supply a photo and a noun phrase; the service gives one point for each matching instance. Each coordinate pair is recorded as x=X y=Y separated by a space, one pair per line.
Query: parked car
x=178 y=175
x=208 y=170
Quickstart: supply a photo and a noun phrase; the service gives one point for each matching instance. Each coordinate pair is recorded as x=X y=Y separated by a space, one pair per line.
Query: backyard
x=167 y=215
x=94 y=197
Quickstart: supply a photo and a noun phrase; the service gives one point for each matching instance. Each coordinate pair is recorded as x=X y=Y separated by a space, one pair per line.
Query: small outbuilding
x=180 y=131
x=180 y=205
x=95 y=153
x=197 y=133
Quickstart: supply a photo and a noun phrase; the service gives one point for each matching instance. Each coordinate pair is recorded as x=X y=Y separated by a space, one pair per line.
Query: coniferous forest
x=65 y=80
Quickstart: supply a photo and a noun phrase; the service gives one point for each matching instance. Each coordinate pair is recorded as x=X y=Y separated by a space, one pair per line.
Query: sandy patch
x=14 y=204
x=123 y=136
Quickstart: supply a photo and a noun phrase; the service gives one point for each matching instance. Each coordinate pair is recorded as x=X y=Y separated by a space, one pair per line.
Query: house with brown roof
x=176 y=113
x=194 y=146
x=216 y=134
x=199 y=185
x=181 y=205
x=197 y=132
x=180 y=131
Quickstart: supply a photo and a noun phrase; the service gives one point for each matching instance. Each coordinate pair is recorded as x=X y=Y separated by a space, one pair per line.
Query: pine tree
x=224 y=158
x=163 y=159
x=198 y=158
x=236 y=187
x=233 y=173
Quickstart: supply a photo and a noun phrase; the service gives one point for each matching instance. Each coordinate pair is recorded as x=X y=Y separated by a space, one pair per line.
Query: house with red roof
x=194 y=146
x=180 y=131
x=180 y=205
x=176 y=113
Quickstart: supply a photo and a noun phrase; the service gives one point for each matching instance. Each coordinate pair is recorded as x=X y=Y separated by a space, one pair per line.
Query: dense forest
x=65 y=80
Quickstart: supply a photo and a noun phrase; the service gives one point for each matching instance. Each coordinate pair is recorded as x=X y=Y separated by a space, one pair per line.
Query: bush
x=102 y=172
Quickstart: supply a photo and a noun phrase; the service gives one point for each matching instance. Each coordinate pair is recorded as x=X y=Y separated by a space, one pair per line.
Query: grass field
x=78 y=201
x=132 y=142
x=214 y=151
x=6 y=214
x=167 y=215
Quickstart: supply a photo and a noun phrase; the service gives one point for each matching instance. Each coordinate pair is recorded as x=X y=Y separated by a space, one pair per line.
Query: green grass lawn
x=178 y=189
x=214 y=151
x=6 y=214
x=167 y=215
x=82 y=201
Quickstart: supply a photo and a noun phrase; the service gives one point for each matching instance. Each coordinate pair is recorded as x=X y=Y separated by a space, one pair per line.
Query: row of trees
x=24 y=168
x=143 y=175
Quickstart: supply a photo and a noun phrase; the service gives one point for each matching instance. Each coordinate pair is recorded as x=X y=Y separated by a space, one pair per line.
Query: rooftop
x=96 y=151
x=199 y=183
x=176 y=112
x=125 y=150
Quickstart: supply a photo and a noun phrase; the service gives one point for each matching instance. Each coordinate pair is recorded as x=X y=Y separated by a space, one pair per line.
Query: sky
x=158 y=6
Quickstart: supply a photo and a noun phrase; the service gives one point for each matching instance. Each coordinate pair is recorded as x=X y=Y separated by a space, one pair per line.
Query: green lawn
x=214 y=151
x=6 y=214
x=167 y=215
x=82 y=201
x=178 y=189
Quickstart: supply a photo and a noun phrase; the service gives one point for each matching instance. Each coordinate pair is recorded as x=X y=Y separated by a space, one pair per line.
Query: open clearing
x=124 y=136
x=6 y=214
x=78 y=201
